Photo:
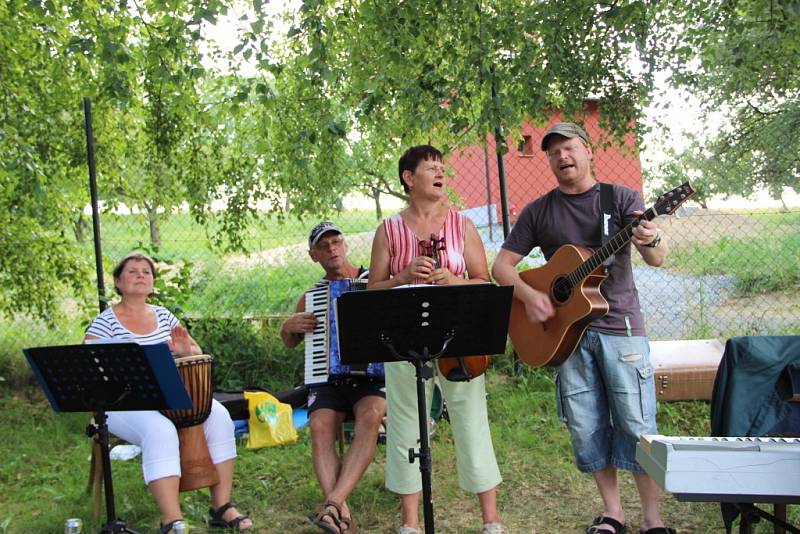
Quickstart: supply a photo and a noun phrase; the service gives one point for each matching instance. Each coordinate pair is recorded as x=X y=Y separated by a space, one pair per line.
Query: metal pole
x=501 y=169
x=501 y=175
x=488 y=182
x=98 y=254
x=424 y=454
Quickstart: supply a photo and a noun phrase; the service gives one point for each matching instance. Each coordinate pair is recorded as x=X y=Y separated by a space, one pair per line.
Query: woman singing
x=397 y=260
x=133 y=319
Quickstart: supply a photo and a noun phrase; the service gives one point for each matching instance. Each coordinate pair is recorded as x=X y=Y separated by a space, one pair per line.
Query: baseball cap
x=567 y=129
x=319 y=230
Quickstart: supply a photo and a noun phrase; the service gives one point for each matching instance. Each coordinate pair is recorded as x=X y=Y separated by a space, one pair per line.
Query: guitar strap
x=607 y=227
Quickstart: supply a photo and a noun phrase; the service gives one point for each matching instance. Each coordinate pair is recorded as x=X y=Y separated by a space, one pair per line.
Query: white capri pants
x=466 y=406
x=158 y=438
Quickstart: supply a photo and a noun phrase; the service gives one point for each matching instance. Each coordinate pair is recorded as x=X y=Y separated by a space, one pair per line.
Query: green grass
x=23 y=332
x=760 y=248
x=257 y=290
x=182 y=237
x=45 y=468
x=773 y=217
x=745 y=260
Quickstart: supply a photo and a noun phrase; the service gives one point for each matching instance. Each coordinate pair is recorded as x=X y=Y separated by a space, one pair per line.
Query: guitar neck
x=666 y=204
x=609 y=248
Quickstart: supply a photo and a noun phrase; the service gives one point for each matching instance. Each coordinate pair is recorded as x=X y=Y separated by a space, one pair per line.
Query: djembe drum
x=197 y=469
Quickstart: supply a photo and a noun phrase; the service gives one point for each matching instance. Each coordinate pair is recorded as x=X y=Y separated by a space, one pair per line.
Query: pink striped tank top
x=404 y=245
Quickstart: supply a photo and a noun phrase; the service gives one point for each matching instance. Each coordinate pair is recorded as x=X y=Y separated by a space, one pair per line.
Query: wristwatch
x=655 y=242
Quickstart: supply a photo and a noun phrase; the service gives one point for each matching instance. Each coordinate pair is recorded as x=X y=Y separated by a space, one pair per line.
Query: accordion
x=322 y=362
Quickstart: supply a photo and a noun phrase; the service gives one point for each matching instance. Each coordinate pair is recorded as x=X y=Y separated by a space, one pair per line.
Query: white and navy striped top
x=107 y=326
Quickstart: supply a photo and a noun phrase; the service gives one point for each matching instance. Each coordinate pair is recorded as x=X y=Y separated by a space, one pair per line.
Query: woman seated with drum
x=132 y=318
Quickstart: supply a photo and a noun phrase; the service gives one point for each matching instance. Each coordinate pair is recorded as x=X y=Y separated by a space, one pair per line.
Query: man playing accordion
x=336 y=391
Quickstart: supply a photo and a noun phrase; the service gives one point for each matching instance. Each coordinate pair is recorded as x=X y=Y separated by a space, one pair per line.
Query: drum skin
x=196 y=372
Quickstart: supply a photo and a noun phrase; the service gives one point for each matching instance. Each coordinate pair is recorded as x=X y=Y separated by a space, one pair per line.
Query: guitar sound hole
x=561 y=290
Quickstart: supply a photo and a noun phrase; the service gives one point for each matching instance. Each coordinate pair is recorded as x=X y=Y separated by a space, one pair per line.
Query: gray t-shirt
x=557 y=219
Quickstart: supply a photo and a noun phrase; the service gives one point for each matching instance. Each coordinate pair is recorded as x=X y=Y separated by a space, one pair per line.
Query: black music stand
x=108 y=376
x=418 y=324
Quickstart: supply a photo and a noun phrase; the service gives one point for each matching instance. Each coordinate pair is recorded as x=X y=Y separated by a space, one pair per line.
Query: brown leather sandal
x=349 y=525
x=326 y=510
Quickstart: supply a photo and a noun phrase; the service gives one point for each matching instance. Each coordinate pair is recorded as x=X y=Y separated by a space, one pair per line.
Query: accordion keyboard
x=316 y=342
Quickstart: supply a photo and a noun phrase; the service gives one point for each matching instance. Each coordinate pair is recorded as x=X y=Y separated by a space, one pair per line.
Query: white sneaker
x=494 y=528
x=408 y=530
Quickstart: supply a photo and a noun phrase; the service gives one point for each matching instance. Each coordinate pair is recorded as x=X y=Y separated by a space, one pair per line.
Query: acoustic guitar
x=572 y=279
x=456 y=368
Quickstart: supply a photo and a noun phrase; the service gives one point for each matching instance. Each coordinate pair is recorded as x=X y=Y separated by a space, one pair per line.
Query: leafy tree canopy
x=139 y=65
x=334 y=100
x=396 y=73
x=741 y=57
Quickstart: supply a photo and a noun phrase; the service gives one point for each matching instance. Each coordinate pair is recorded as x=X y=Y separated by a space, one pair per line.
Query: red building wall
x=528 y=175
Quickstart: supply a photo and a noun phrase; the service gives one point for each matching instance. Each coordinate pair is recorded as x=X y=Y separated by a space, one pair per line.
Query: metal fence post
x=98 y=254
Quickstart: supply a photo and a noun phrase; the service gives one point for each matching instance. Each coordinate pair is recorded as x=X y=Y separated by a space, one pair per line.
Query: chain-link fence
x=728 y=273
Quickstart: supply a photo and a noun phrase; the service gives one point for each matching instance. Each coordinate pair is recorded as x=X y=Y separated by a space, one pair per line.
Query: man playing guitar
x=605 y=389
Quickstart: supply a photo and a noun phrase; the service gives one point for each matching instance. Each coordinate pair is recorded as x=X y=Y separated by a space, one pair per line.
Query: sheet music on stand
x=103 y=377
x=417 y=316
x=121 y=376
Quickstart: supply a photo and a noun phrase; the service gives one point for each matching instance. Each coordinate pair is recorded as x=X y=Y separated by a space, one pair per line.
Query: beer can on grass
x=180 y=527
x=73 y=526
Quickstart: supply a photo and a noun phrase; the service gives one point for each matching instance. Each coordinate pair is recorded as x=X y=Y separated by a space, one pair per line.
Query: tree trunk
x=376 y=196
x=152 y=220
x=81 y=226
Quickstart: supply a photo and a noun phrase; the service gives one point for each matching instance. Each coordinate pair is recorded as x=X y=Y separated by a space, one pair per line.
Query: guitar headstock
x=667 y=203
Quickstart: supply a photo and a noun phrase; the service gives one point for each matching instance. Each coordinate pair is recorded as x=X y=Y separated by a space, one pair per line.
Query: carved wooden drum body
x=197 y=469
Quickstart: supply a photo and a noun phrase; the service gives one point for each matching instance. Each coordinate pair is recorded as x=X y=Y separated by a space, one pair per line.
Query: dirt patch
x=706 y=227
x=778 y=306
